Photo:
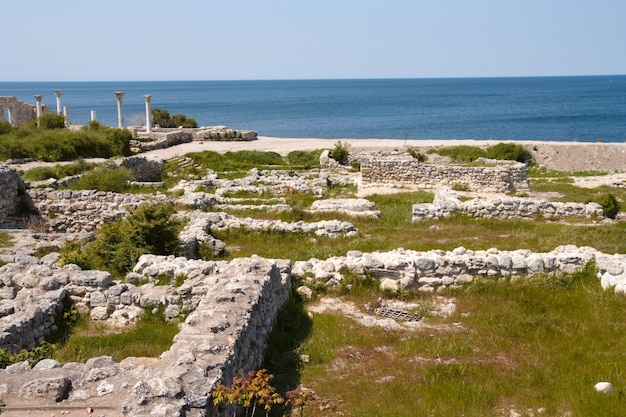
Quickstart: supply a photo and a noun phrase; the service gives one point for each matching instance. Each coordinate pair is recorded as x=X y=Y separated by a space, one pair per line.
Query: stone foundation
x=447 y=202
x=495 y=176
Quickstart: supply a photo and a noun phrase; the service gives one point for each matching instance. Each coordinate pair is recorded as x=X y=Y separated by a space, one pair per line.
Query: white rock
x=604 y=387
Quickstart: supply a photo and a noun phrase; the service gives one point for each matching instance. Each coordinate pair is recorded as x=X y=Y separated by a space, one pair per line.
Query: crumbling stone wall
x=21 y=112
x=235 y=305
x=81 y=211
x=12 y=191
x=436 y=269
x=499 y=176
x=447 y=202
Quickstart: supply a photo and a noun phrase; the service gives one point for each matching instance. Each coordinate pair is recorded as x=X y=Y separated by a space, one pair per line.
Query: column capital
x=38 y=97
x=147 y=97
x=58 y=93
x=119 y=94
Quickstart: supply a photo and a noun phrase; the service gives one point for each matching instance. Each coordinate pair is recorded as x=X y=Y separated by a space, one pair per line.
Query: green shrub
x=610 y=205
x=417 y=155
x=53 y=145
x=510 y=152
x=114 y=179
x=50 y=121
x=304 y=159
x=5 y=127
x=42 y=351
x=461 y=153
x=341 y=152
x=118 y=245
x=162 y=118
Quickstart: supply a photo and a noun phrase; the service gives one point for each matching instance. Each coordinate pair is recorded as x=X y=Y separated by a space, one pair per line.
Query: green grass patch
x=5 y=240
x=550 y=339
x=237 y=161
x=58 y=171
x=150 y=337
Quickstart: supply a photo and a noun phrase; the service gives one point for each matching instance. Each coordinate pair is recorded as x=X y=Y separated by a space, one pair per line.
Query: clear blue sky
x=95 y=40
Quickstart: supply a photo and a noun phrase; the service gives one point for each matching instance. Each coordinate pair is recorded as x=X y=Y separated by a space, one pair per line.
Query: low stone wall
x=161 y=139
x=499 y=177
x=80 y=211
x=12 y=191
x=223 y=133
x=143 y=170
x=232 y=309
x=433 y=270
x=447 y=202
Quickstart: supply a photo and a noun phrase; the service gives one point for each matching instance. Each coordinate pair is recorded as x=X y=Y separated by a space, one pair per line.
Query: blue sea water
x=583 y=108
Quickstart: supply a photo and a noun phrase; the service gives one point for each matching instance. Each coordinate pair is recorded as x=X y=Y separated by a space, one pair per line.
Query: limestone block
x=55 y=388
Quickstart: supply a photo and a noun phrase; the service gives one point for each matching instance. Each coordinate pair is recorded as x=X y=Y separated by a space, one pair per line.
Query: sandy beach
x=563 y=156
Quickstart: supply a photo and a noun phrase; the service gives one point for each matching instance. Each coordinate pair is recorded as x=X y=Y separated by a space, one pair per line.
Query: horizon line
x=319 y=79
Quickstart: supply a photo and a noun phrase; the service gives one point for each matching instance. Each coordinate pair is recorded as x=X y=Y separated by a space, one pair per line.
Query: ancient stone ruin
x=489 y=176
x=231 y=306
x=15 y=111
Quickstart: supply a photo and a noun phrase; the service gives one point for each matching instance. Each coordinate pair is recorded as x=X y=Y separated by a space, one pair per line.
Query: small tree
x=610 y=205
x=341 y=152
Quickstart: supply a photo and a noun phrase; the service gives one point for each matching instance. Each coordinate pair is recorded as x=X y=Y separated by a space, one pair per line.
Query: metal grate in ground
x=396 y=314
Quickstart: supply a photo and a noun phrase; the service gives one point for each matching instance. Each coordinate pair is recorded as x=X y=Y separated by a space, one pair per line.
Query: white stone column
x=58 y=93
x=120 y=111
x=10 y=115
x=66 y=114
x=39 y=108
x=93 y=116
x=147 y=97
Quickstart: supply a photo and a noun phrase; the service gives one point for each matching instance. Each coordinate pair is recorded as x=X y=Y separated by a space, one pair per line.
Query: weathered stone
x=46 y=364
x=54 y=388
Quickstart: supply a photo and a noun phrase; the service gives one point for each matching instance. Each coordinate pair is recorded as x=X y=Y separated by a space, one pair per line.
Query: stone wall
x=21 y=112
x=232 y=307
x=223 y=133
x=447 y=202
x=80 y=211
x=436 y=269
x=12 y=191
x=498 y=176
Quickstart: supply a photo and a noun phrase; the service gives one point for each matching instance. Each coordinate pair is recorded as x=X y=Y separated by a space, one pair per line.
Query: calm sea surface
x=534 y=108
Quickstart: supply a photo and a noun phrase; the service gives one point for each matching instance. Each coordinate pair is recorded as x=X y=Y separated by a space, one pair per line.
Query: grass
x=150 y=337
x=5 y=240
x=395 y=230
x=524 y=345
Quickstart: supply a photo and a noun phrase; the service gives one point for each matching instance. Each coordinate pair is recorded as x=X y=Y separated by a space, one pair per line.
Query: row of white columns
x=119 y=95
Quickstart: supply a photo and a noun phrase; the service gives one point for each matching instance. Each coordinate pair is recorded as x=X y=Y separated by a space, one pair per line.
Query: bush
x=304 y=159
x=610 y=205
x=163 y=119
x=341 y=152
x=5 y=127
x=50 y=121
x=94 y=140
x=462 y=153
x=118 y=245
x=417 y=155
x=510 y=152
